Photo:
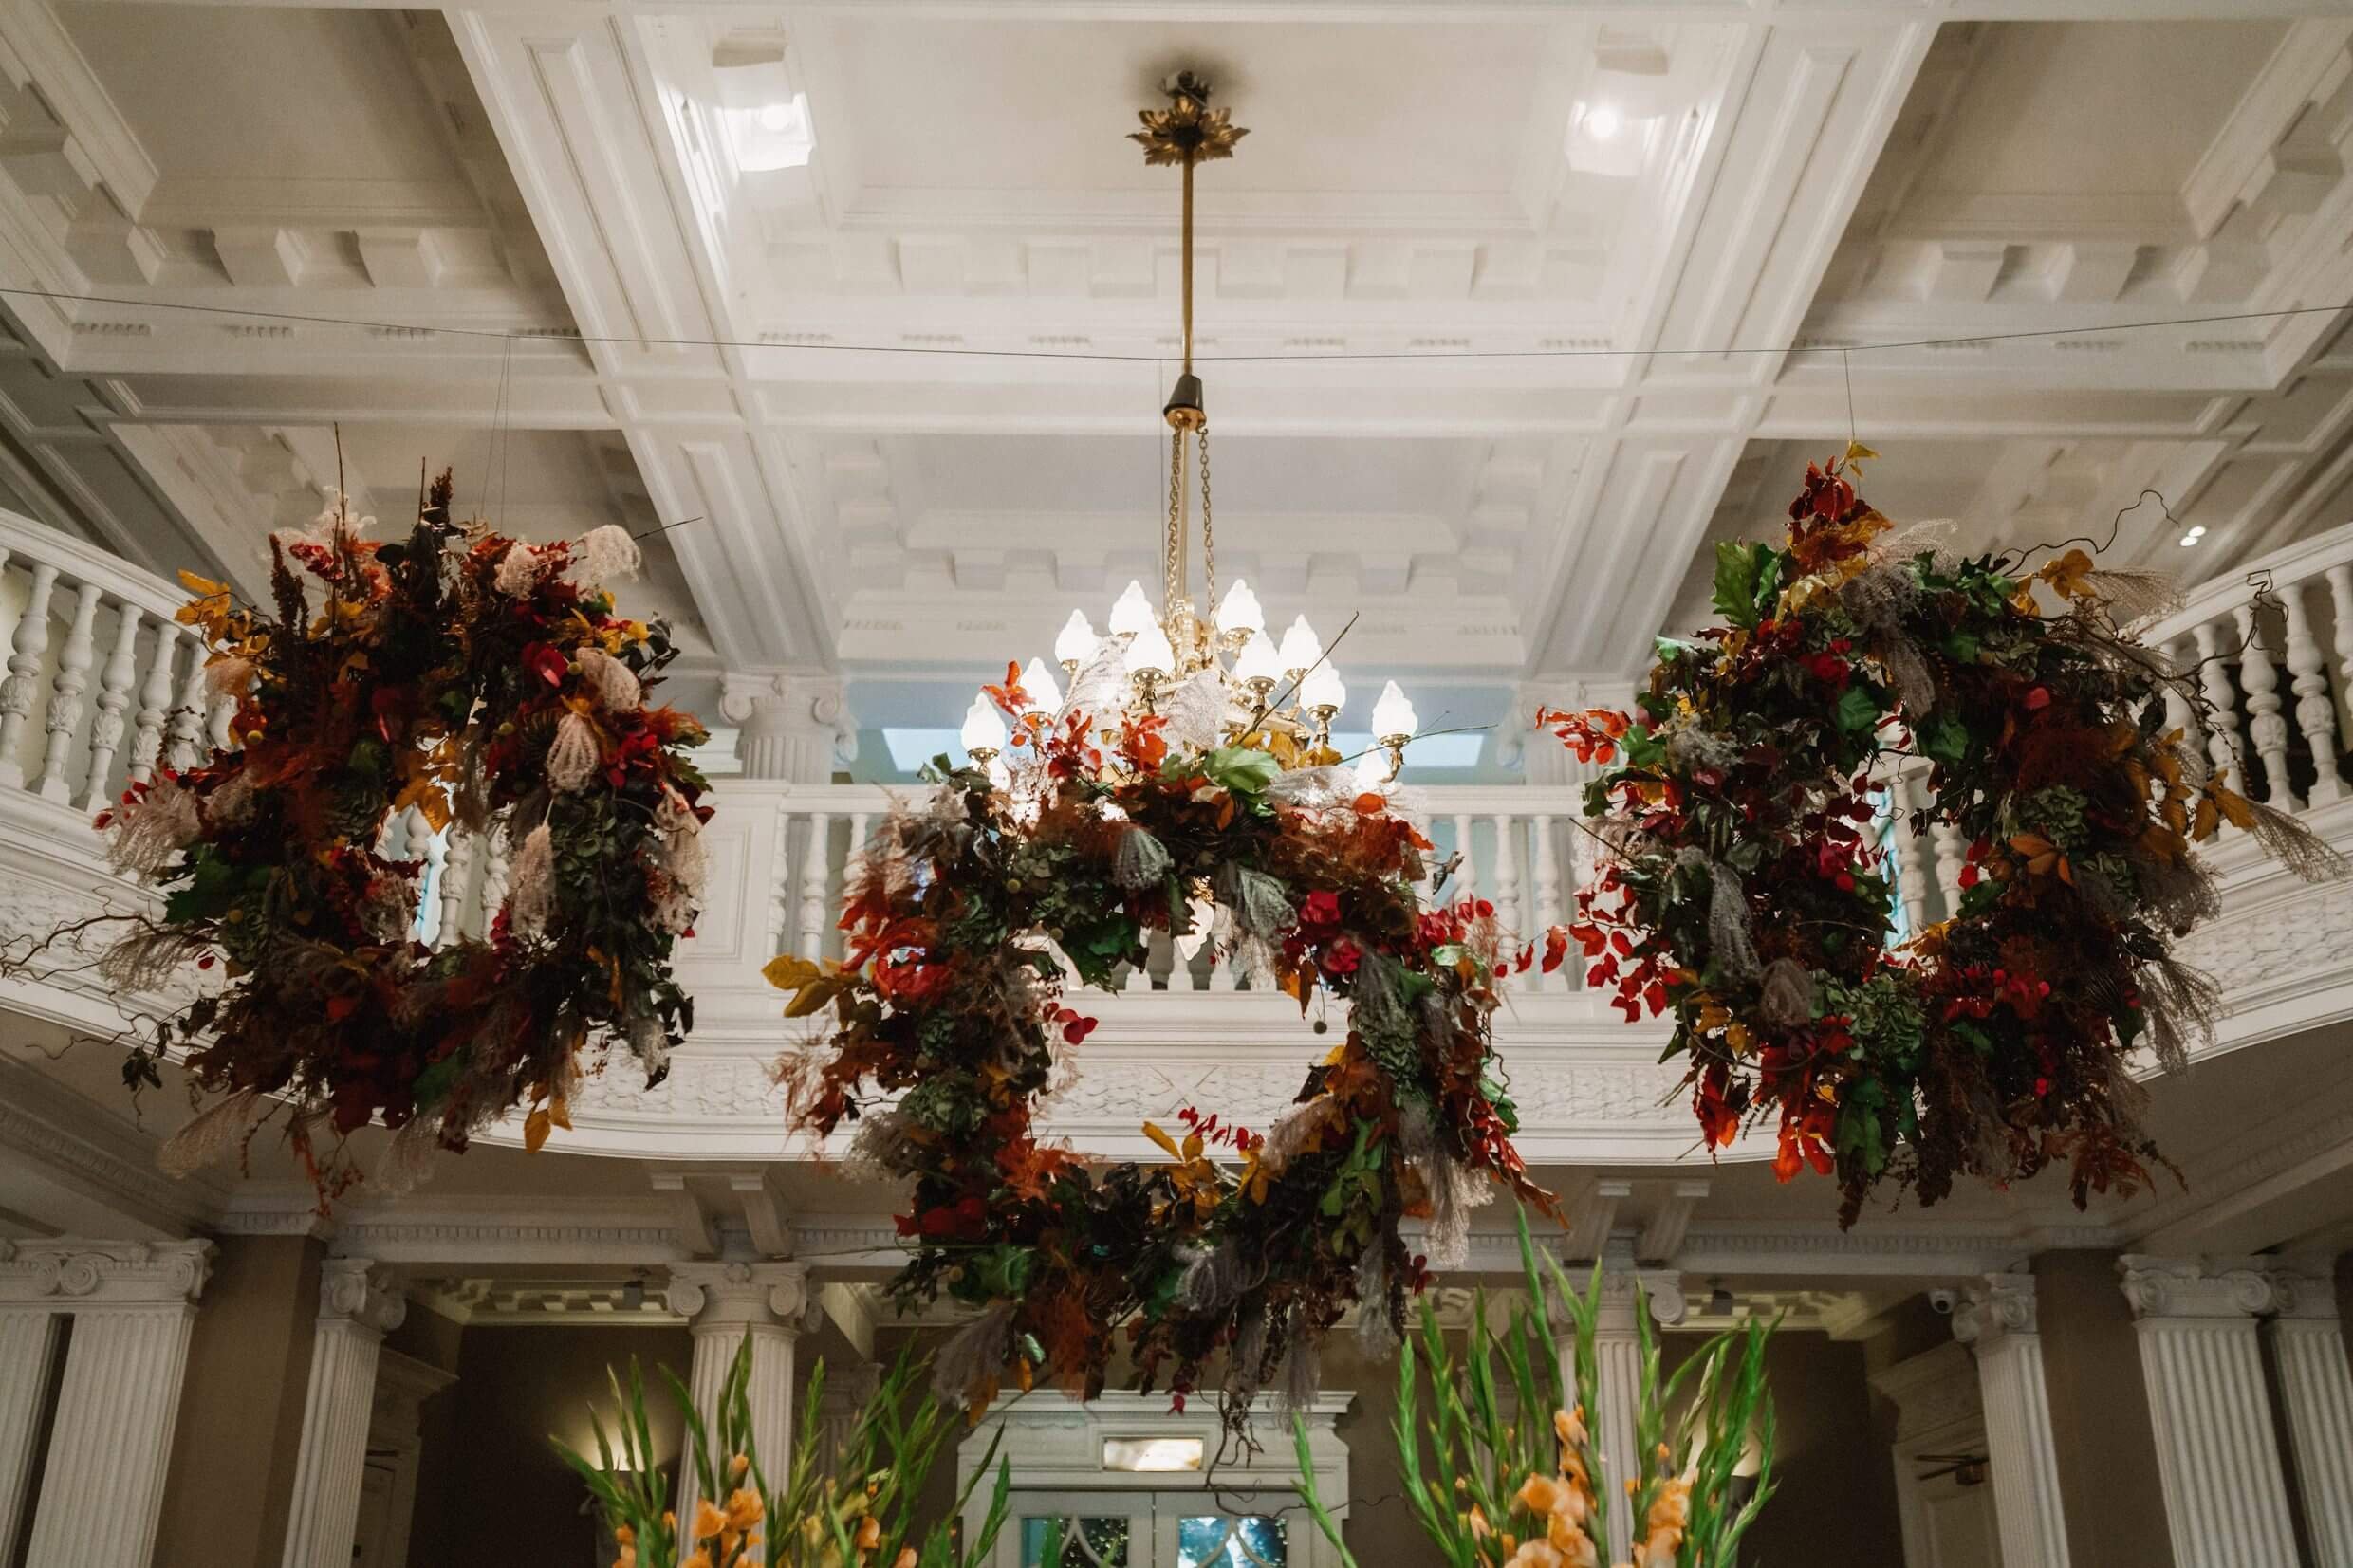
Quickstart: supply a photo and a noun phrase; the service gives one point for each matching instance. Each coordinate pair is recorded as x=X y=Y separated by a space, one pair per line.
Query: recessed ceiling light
x=1603 y=122
x=2187 y=540
x=776 y=117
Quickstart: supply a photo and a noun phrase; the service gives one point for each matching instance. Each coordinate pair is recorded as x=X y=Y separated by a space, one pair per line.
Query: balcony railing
x=103 y=685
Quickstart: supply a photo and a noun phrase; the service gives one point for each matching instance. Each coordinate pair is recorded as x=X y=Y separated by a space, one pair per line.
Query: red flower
x=546 y=661
x=1319 y=910
x=1342 y=958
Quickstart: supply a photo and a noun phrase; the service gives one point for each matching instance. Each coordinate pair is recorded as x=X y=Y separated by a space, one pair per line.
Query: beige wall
x=492 y=1493
x=2100 y=1415
x=231 y=1477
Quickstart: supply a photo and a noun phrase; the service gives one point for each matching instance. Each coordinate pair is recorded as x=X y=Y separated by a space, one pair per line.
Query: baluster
x=852 y=853
x=2260 y=679
x=432 y=852
x=2316 y=704
x=16 y=692
x=494 y=860
x=1506 y=874
x=780 y=887
x=114 y=695
x=816 y=856
x=155 y=699
x=1139 y=973
x=1548 y=895
x=1911 y=858
x=1467 y=873
x=2215 y=678
x=456 y=871
x=2180 y=713
x=217 y=722
x=74 y=678
x=1952 y=855
x=186 y=726
x=2341 y=603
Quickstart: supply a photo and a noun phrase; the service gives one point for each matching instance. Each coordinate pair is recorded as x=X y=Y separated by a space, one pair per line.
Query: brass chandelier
x=1280 y=694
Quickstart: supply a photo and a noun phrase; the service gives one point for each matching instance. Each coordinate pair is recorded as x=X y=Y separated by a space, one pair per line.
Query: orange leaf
x=535 y=1128
x=2236 y=810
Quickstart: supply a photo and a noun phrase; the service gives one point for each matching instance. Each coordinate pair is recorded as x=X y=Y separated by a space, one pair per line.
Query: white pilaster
x=356 y=1307
x=2316 y=1395
x=1617 y=1379
x=2226 y=1495
x=134 y=1305
x=28 y=1339
x=1998 y=1324
x=725 y=1302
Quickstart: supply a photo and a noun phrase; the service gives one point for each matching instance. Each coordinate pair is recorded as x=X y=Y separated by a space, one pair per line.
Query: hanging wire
x=1099 y=355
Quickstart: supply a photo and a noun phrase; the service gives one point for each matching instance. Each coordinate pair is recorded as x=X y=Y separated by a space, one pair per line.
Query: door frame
x=1054 y=1444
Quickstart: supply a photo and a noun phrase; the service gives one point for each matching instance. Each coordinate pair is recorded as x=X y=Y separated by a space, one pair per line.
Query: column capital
x=355 y=1291
x=1992 y=1312
x=735 y=1296
x=1661 y=1291
x=2176 y=1289
x=2307 y=1293
x=794 y=725
x=68 y=1273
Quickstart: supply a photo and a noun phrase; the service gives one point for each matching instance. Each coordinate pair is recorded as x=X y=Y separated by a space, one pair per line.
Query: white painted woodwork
x=357 y=1307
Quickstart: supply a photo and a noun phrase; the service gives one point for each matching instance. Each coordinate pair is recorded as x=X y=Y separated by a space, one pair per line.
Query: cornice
x=77 y=1144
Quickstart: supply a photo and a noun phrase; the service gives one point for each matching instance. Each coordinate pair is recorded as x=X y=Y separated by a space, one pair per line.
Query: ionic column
x=848 y=1390
x=28 y=1339
x=2316 y=1395
x=2226 y=1494
x=1618 y=1382
x=724 y=1303
x=790 y=725
x=134 y=1304
x=356 y=1307
x=1997 y=1324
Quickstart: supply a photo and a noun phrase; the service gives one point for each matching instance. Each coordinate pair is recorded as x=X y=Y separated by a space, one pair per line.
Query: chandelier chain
x=1172 y=547
x=1209 y=535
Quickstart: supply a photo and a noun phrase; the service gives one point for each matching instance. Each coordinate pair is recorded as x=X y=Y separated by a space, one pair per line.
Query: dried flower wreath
x=480 y=680
x=960 y=919
x=1742 y=895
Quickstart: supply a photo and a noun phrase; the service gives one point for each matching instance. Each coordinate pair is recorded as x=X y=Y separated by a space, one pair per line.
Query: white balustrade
x=74 y=616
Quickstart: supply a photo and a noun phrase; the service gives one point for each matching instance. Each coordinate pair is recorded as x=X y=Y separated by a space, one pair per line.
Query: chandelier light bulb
x=1603 y=122
x=984 y=728
x=1301 y=648
x=1150 y=652
x=1323 y=688
x=1133 y=613
x=1038 y=682
x=1393 y=714
x=1258 y=659
x=1075 y=643
x=1238 y=611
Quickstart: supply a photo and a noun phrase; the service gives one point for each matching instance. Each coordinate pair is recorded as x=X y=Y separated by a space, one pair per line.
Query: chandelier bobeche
x=1219 y=680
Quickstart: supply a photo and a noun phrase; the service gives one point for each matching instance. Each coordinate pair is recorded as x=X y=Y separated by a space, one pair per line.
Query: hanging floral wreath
x=1744 y=897
x=949 y=1024
x=481 y=681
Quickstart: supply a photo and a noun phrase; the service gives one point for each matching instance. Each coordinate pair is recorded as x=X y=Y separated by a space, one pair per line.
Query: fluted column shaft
x=28 y=1339
x=1617 y=1383
x=2316 y=1395
x=356 y=1307
x=2218 y=1461
x=725 y=1303
x=134 y=1305
x=1998 y=1324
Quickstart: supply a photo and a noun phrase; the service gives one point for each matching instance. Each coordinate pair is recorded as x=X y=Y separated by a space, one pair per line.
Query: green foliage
x=857 y=1508
x=1473 y=1426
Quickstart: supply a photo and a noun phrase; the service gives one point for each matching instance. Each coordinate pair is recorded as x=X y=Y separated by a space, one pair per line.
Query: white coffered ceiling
x=895 y=367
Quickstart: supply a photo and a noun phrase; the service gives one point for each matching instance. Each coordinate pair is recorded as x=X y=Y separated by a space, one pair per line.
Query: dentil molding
x=68 y=1273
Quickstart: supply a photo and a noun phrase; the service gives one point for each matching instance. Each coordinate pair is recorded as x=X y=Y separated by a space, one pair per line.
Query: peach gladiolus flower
x=1542 y=1494
x=709 y=1522
x=744 y=1509
x=1569 y=1426
x=906 y=1558
x=870 y=1533
x=1536 y=1554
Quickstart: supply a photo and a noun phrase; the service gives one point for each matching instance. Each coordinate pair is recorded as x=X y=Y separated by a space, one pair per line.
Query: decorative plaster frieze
x=73 y=1274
